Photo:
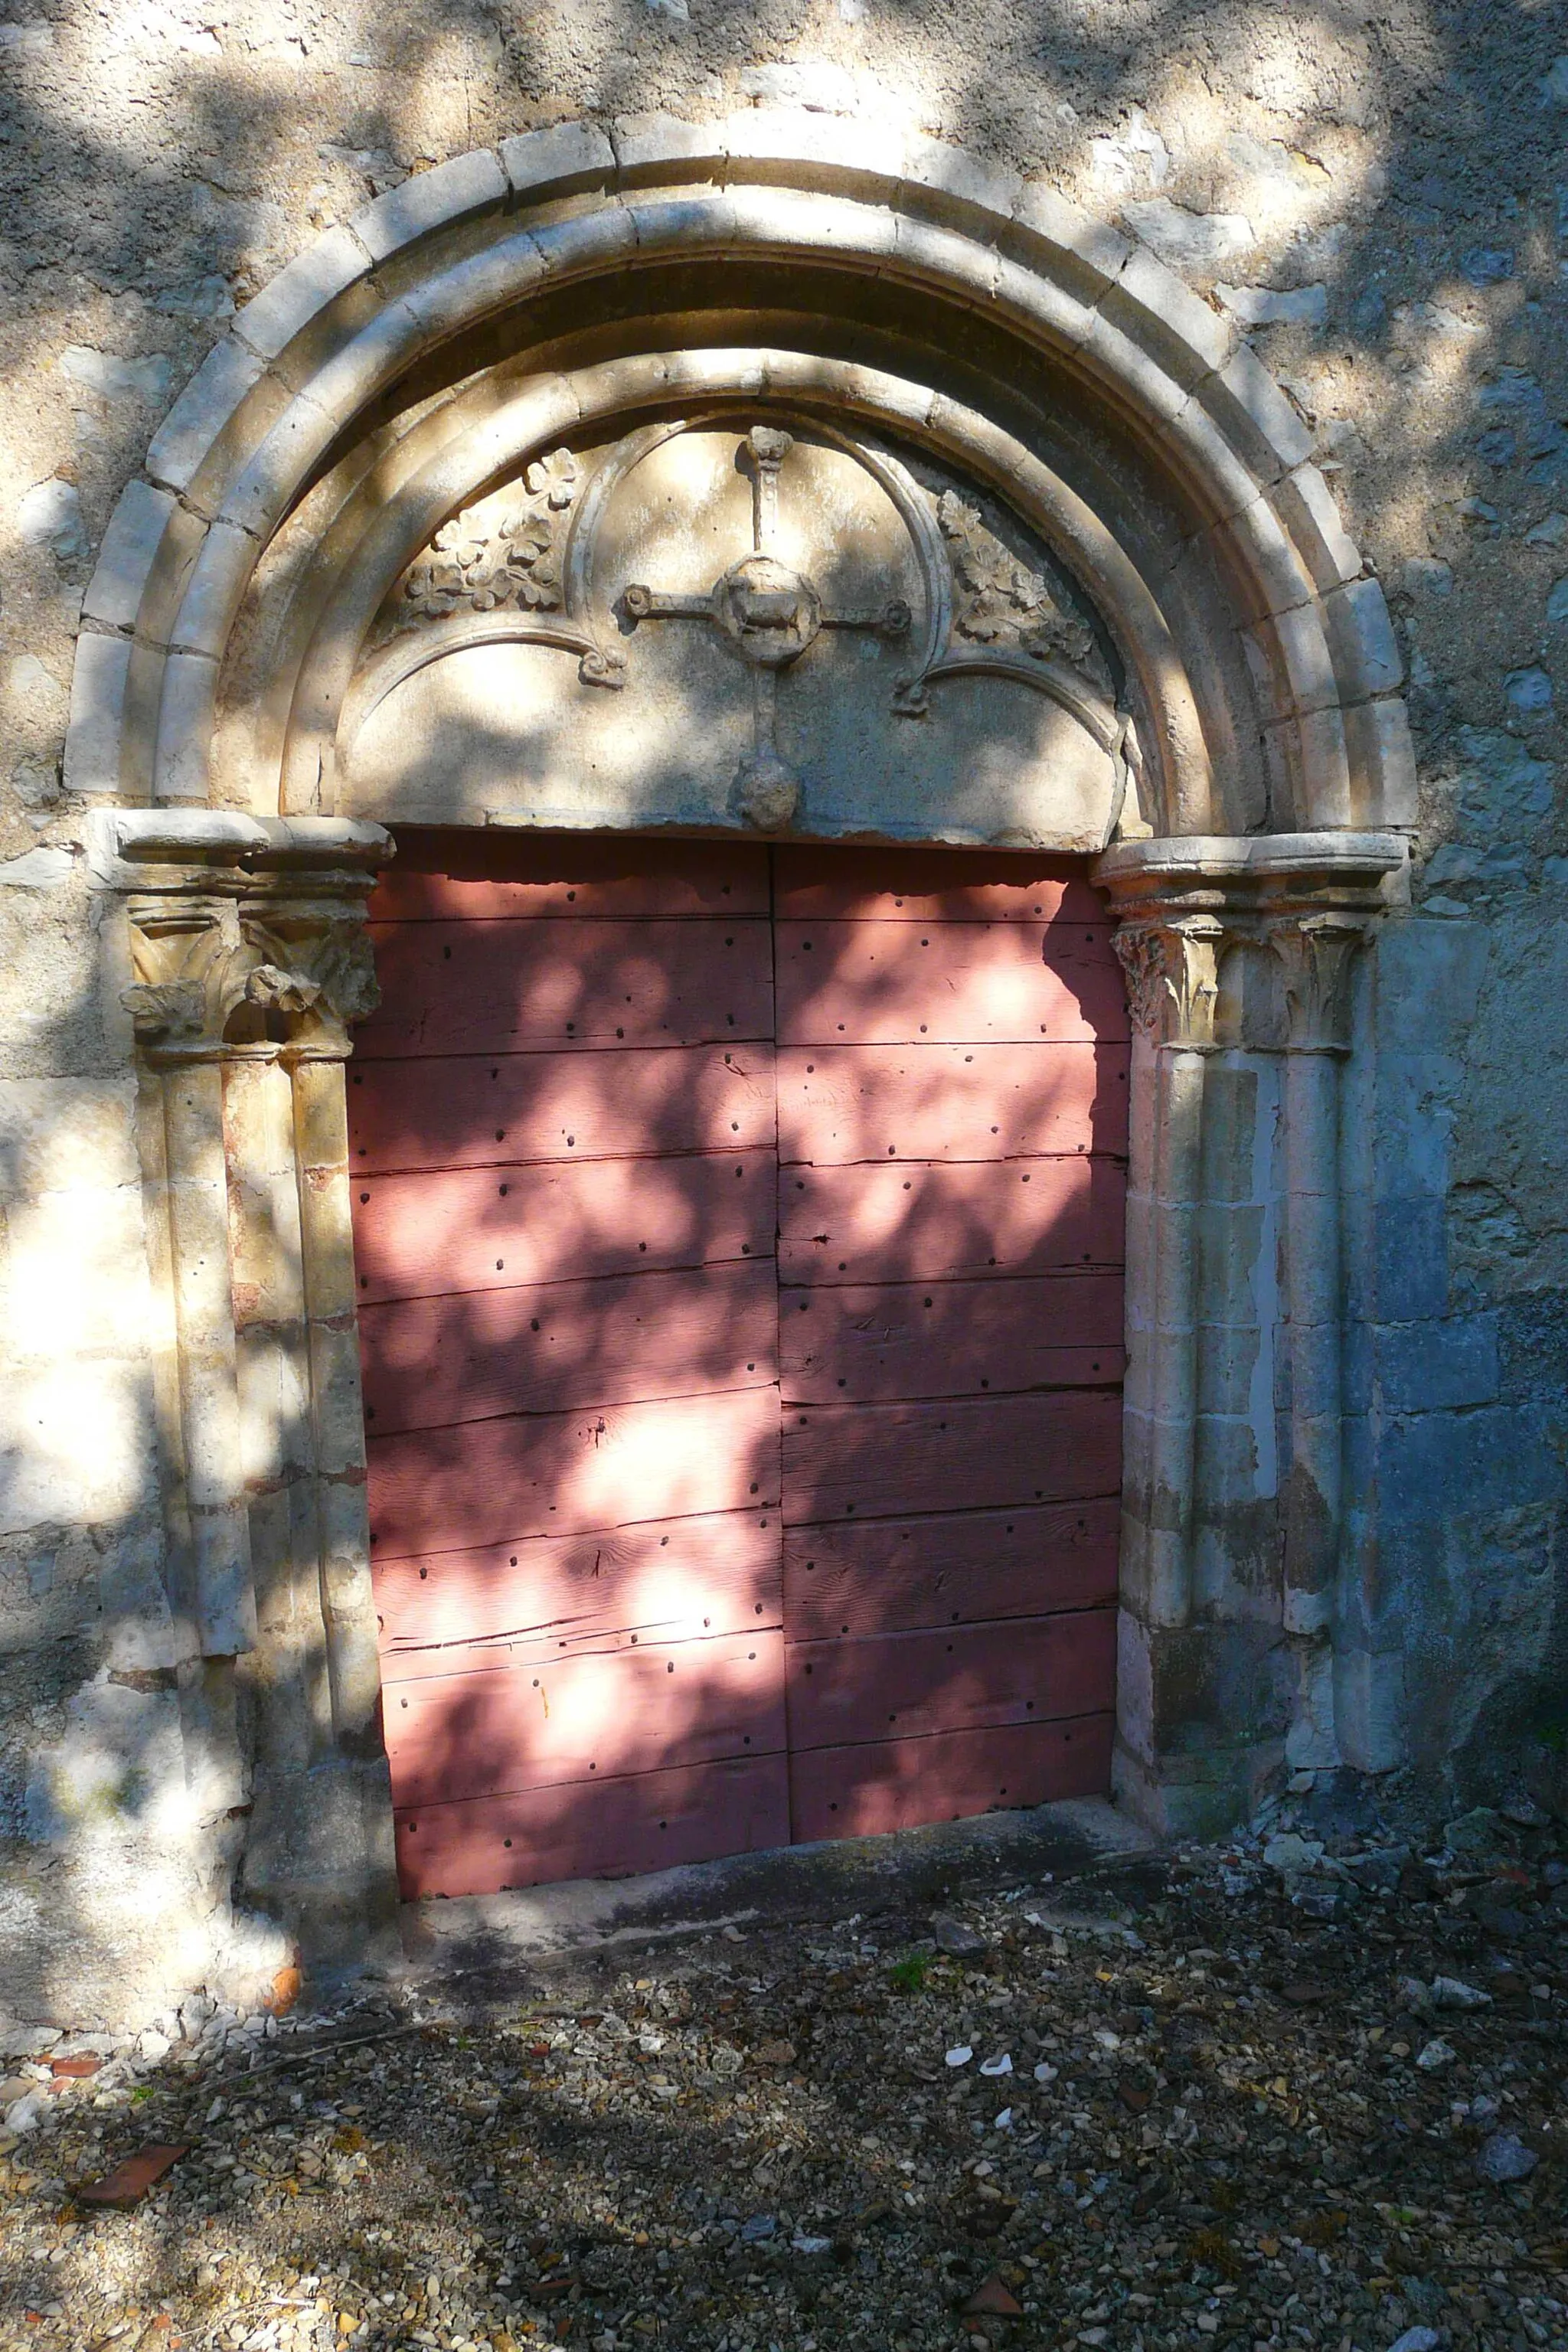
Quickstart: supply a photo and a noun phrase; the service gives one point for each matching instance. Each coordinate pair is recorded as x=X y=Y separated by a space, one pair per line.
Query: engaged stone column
x=1220 y=1679
x=246 y=941
x=1317 y=953
x=1172 y=986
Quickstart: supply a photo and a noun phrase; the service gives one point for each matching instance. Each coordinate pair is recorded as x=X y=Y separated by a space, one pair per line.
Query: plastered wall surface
x=1380 y=201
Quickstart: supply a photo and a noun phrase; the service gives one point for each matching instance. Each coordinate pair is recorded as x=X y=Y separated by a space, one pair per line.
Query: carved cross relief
x=769 y=614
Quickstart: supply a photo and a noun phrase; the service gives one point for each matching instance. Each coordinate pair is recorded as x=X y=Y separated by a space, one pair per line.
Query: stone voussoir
x=431 y=201
x=567 y=160
x=294 y=299
x=148 y=550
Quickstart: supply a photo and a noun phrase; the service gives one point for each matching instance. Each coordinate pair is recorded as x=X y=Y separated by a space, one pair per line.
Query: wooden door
x=562 y=1127
x=952 y=1116
x=605 y=1647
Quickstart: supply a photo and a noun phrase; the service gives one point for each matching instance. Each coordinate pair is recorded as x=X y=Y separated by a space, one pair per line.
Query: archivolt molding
x=483 y=235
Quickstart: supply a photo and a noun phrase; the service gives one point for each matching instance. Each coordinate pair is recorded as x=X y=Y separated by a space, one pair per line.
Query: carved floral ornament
x=519 y=564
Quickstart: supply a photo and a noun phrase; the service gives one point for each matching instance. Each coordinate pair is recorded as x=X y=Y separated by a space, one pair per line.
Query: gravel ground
x=1305 y=2089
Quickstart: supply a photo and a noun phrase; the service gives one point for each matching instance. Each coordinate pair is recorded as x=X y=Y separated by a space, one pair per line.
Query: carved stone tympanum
x=872 y=648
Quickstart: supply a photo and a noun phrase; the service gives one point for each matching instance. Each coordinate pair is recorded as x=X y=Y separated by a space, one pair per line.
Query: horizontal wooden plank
x=551 y=1347
x=473 y=1110
x=843 y=1103
x=458 y=1490
x=602 y=1829
x=669 y=1580
x=440 y=873
x=893 y=1576
x=954 y=1339
x=467 y=1229
x=899 y=1222
x=526 y=986
x=899 y=1784
x=889 y=984
x=886 y=1461
x=954 y=1678
x=606 y=1713
x=930 y=885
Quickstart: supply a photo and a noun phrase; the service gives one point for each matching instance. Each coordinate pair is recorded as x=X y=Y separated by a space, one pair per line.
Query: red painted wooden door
x=665 y=1154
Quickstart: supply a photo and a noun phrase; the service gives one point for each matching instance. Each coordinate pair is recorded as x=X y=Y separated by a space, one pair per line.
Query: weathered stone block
x=1435 y=1366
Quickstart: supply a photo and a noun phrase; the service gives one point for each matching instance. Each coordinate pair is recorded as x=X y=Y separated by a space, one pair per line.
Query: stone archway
x=1244 y=772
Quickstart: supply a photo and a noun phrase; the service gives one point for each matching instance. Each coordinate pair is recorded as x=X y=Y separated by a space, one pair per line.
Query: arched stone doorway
x=334 y=602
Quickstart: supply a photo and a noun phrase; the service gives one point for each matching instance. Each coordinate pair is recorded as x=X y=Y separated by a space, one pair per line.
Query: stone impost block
x=186 y=452
x=1360 y=636
x=439 y=199
x=148 y=550
x=293 y=301
x=567 y=160
x=100 y=689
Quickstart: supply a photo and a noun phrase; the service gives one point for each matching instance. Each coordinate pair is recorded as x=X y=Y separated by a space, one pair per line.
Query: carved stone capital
x=215 y=978
x=1173 y=978
x=246 y=935
x=1318 y=954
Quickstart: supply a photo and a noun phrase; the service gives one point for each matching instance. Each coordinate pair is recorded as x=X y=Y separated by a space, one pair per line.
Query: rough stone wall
x=1381 y=197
